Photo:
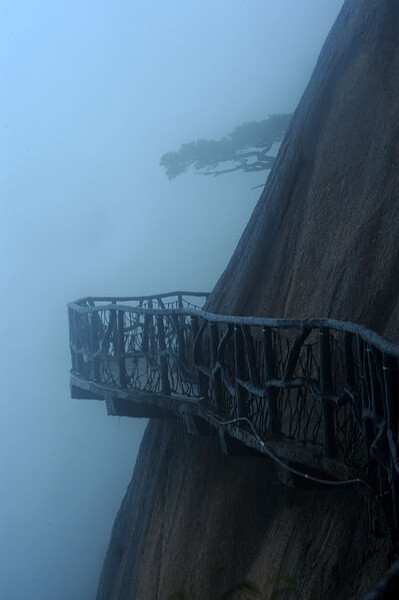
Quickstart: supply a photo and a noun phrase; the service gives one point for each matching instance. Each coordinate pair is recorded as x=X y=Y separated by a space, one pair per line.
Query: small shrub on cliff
x=287 y=589
x=229 y=594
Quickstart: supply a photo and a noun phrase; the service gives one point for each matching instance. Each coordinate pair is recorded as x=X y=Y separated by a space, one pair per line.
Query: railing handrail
x=364 y=332
x=136 y=298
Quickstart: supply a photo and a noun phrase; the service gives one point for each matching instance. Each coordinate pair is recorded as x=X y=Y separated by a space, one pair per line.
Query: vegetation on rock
x=246 y=147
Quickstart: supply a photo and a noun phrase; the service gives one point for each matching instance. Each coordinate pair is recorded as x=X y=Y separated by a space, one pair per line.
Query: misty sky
x=93 y=93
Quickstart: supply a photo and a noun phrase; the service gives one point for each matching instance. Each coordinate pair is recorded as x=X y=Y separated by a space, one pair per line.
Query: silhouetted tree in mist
x=247 y=147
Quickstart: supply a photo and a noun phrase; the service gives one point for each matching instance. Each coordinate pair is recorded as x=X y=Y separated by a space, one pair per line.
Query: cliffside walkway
x=319 y=396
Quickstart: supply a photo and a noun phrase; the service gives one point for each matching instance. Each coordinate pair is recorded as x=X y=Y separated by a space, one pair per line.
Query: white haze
x=93 y=93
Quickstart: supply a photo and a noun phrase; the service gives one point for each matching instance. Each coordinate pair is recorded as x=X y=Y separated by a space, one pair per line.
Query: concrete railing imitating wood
x=320 y=393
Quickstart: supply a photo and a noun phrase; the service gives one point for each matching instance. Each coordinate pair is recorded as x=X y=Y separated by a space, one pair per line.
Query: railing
x=328 y=384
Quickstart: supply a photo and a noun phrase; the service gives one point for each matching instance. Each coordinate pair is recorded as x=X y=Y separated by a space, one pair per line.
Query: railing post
x=163 y=357
x=375 y=361
x=216 y=375
x=180 y=305
x=115 y=332
x=202 y=384
x=94 y=346
x=391 y=385
x=391 y=380
x=148 y=340
x=270 y=373
x=80 y=363
x=151 y=328
x=350 y=374
x=121 y=349
x=145 y=340
x=366 y=409
x=72 y=340
x=178 y=325
x=239 y=360
x=330 y=447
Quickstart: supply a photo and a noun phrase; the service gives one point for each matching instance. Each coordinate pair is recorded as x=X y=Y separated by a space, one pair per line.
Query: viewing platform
x=318 y=396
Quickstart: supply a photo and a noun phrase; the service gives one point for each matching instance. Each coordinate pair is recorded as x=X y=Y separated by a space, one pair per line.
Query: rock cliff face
x=322 y=241
x=191 y=509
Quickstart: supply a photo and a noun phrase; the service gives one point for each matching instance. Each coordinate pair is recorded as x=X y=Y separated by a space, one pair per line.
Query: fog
x=93 y=93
